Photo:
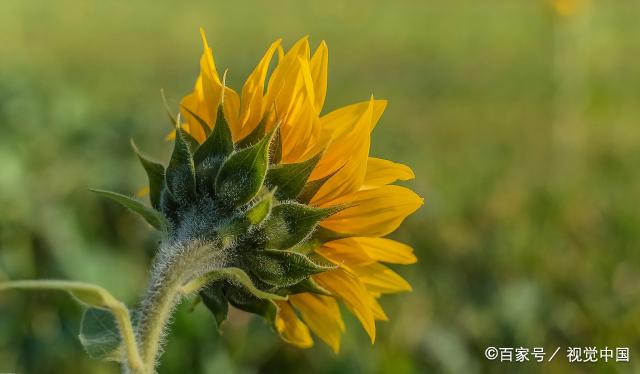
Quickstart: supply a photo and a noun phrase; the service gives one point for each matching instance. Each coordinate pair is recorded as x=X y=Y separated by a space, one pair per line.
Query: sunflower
x=334 y=148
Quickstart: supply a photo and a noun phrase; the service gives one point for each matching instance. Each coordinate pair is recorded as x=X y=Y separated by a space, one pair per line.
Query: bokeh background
x=519 y=118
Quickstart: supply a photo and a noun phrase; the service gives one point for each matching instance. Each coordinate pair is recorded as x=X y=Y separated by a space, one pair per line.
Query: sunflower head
x=286 y=202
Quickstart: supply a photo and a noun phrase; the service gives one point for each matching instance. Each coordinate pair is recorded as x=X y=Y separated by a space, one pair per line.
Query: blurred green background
x=519 y=119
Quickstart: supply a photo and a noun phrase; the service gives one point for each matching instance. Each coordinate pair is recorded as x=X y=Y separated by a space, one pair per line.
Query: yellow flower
x=293 y=96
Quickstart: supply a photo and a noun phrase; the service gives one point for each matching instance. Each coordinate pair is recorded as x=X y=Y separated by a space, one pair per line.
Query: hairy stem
x=173 y=269
x=123 y=319
x=160 y=309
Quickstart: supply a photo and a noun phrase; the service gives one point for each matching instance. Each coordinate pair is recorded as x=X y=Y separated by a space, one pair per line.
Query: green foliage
x=99 y=335
x=282 y=268
x=155 y=175
x=306 y=285
x=181 y=174
x=473 y=109
x=218 y=145
x=241 y=175
x=152 y=216
x=290 y=179
x=261 y=210
x=290 y=223
x=215 y=301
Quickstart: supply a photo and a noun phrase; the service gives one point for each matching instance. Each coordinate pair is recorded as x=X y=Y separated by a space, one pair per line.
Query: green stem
x=134 y=360
x=161 y=308
x=168 y=285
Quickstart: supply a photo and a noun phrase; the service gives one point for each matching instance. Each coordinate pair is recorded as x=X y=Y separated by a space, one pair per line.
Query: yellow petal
x=290 y=328
x=318 y=65
x=253 y=104
x=322 y=315
x=380 y=279
x=353 y=293
x=385 y=250
x=345 y=251
x=375 y=276
x=378 y=312
x=382 y=172
x=286 y=71
x=365 y=250
x=340 y=129
x=231 y=105
x=375 y=212
x=211 y=85
x=346 y=181
x=195 y=102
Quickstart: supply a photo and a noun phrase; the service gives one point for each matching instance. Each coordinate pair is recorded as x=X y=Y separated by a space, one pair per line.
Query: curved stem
x=161 y=308
x=172 y=278
x=134 y=360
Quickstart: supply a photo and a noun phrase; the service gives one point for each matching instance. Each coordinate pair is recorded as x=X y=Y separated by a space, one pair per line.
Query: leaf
x=214 y=299
x=290 y=178
x=85 y=293
x=282 y=268
x=181 y=174
x=218 y=144
x=261 y=210
x=155 y=174
x=233 y=275
x=95 y=297
x=241 y=176
x=100 y=336
x=290 y=223
x=152 y=216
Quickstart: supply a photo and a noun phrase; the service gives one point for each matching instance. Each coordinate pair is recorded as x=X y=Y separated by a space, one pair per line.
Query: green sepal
x=324 y=235
x=261 y=210
x=321 y=261
x=181 y=175
x=233 y=275
x=241 y=175
x=290 y=223
x=282 y=268
x=246 y=301
x=311 y=188
x=203 y=124
x=233 y=229
x=254 y=136
x=275 y=153
x=155 y=174
x=100 y=336
x=213 y=297
x=167 y=109
x=168 y=205
x=218 y=144
x=291 y=178
x=193 y=142
x=307 y=246
x=304 y=286
x=152 y=216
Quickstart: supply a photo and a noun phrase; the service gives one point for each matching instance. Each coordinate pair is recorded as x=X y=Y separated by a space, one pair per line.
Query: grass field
x=520 y=123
